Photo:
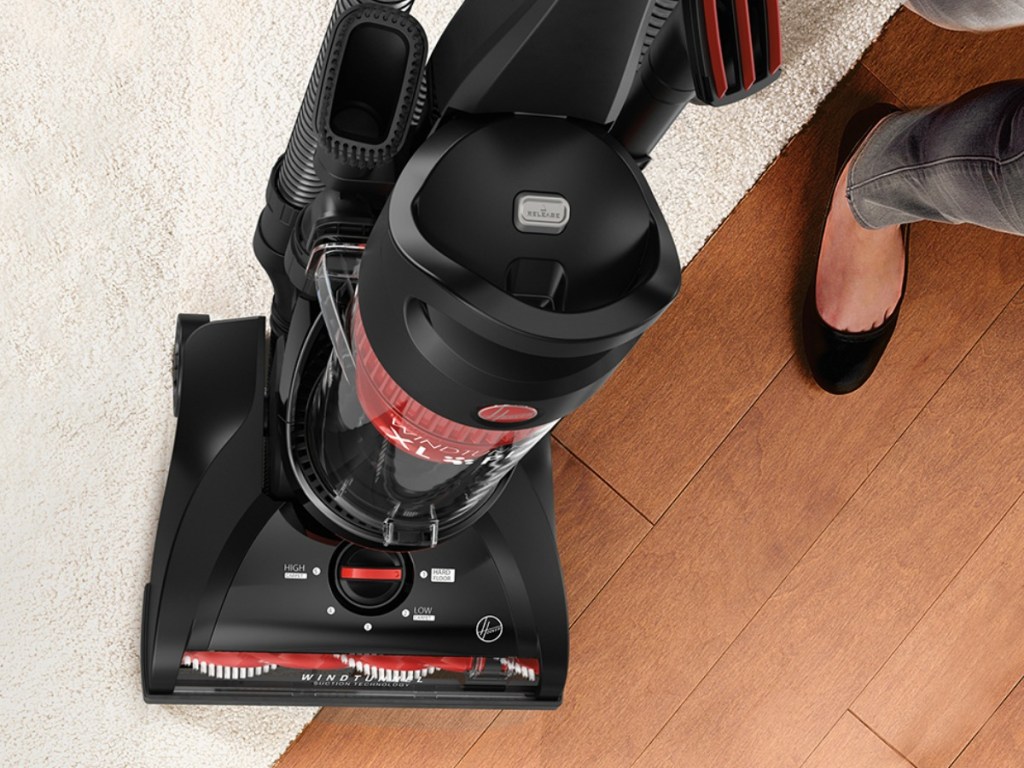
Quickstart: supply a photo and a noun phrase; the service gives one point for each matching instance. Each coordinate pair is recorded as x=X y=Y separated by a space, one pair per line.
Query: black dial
x=370 y=581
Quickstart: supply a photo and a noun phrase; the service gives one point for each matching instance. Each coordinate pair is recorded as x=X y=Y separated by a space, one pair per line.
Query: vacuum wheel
x=186 y=326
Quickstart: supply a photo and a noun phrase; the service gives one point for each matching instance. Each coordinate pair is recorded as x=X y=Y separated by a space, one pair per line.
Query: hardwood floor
x=1000 y=743
x=871 y=575
x=711 y=355
x=960 y=662
x=760 y=574
x=851 y=745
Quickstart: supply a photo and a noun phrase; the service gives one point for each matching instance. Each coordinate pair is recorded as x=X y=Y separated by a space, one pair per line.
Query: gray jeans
x=958 y=163
x=976 y=15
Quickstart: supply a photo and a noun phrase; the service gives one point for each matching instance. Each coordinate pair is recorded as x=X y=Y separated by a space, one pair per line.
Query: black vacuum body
x=359 y=508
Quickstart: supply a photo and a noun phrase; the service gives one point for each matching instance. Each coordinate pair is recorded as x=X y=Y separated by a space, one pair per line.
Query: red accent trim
x=372 y=574
x=746 y=37
x=774 y=36
x=407 y=663
x=507 y=414
x=714 y=37
x=531 y=664
x=288 y=660
x=411 y=427
x=332 y=661
x=412 y=663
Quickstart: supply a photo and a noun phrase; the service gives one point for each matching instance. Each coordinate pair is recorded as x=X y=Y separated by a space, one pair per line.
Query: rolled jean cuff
x=971 y=15
x=866 y=189
x=957 y=163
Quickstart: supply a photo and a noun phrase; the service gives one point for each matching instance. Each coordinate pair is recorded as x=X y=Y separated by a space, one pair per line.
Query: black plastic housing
x=662 y=88
x=298 y=181
x=371 y=81
x=439 y=281
x=574 y=58
x=217 y=584
x=217 y=464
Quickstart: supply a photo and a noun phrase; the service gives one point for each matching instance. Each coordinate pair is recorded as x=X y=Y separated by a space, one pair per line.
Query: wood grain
x=697 y=371
x=925 y=64
x=596 y=532
x=750 y=514
x=851 y=745
x=870 y=577
x=1000 y=744
x=379 y=738
x=960 y=662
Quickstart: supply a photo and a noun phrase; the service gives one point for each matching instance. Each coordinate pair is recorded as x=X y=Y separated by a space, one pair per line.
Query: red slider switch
x=372 y=574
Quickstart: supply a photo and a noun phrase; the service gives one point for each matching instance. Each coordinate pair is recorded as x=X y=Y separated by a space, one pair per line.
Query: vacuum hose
x=297 y=180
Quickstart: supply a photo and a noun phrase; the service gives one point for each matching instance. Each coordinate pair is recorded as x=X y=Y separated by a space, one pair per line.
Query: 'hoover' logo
x=541 y=214
x=489 y=629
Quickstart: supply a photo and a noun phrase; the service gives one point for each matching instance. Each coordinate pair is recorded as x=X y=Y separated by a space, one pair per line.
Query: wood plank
x=751 y=513
x=873 y=573
x=851 y=745
x=378 y=738
x=1000 y=744
x=696 y=372
x=596 y=532
x=924 y=64
x=960 y=662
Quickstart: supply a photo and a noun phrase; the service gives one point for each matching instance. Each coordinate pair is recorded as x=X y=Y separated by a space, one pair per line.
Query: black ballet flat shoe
x=841 y=361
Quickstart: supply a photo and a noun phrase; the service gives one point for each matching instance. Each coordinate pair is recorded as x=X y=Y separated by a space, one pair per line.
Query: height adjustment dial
x=370 y=581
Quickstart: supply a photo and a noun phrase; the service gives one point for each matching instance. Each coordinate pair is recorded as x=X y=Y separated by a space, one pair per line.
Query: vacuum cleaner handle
x=735 y=47
x=571 y=58
x=577 y=58
x=714 y=52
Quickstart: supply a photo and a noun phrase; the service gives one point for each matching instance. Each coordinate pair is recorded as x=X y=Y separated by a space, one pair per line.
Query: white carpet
x=135 y=142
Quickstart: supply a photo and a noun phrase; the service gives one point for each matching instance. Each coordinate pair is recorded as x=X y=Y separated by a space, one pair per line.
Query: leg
x=975 y=15
x=963 y=162
x=958 y=163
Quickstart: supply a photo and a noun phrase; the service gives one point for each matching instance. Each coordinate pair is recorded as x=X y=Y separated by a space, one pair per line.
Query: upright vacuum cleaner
x=359 y=506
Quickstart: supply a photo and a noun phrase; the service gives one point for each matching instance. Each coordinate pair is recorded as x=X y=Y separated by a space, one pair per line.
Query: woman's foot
x=860 y=271
x=853 y=304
